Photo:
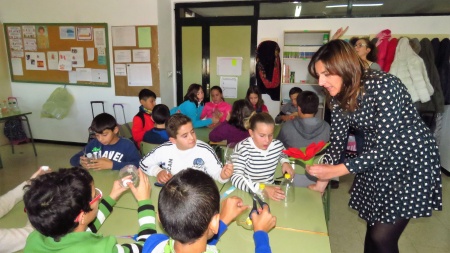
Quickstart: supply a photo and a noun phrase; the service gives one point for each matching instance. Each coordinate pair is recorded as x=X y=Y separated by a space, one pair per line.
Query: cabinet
x=298 y=48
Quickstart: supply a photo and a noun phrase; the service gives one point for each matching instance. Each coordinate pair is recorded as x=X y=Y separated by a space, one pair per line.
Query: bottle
x=288 y=188
x=15 y=107
x=262 y=194
x=129 y=173
x=325 y=38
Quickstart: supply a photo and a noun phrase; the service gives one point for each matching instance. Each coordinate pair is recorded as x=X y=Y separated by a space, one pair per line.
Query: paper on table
x=120 y=69
x=141 y=55
x=145 y=36
x=139 y=74
x=84 y=74
x=229 y=86
x=122 y=56
x=17 y=67
x=99 y=75
x=52 y=59
x=99 y=37
x=90 y=53
x=123 y=36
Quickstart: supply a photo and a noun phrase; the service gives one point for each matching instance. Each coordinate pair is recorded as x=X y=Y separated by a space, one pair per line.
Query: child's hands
x=163 y=176
x=339 y=32
x=143 y=191
x=117 y=190
x=100 y=164
x=84 y=162
x=227 y=171
x=231 y=208
x=215 y=119
x=274 y=192
x=287 y=168
x=264 y=221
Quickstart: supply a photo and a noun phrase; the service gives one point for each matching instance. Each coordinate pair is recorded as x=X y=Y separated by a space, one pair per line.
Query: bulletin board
x=135 y=58
x=59 y=53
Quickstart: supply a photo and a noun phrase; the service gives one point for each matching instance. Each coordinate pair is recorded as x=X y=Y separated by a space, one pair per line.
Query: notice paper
x=141 y=55
x=17 y=67
x=72 y=76
x=139 y=74
x=90 y=53
x=35 y=61
x=145 y=36
x=120 y=70
x=99 y=75
x=122 y=56
x=229 y=66
x=229 y=86
x=99 y=37
x=52 y=59
x=65 y=61
x=77 y=57
x=84 y=74
x=123 y=36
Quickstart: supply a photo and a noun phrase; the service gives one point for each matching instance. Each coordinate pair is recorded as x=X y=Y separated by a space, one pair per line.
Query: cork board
x=124 y=56
x=59 y=53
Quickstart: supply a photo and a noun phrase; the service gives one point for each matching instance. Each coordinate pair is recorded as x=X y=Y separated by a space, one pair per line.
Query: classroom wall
x=5 y=82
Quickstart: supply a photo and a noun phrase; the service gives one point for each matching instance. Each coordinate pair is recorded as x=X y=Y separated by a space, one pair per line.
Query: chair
x=147 y=147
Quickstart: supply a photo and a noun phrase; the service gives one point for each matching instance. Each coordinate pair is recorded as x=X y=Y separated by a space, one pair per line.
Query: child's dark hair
x=144 y=94
x=186 y=205
x=295 y=90
x=218 y=89
x=191 y=93
x=54 y=200
x=160 y=113
x=260 y=117
x=254 y=90
x=102 y=122
x=175 y=122
x=241 y=110
x=308 y=102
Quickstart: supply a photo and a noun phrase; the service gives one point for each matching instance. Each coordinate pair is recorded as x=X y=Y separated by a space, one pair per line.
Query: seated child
x=107 y=150
x=289 y=110
x=158 y=133
x=13 y=239
x=183 y=151
x=254 y=97
x=257 y=157
x=306 y=128
x=67 y=210
x=193 y=106
x=233 y=130
x=188 y=208
x=217 y=105
x=142 y=121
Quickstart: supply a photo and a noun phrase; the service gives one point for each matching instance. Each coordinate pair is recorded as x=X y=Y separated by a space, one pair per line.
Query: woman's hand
x=326 y=171
x=274 y=192
x=319 y=186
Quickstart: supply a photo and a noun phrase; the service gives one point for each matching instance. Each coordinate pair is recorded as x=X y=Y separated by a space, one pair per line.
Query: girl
x=258 y=156
x=233 y=130
x=367 y=52
x=254 y=97
x=193 y=106
x=217 y=106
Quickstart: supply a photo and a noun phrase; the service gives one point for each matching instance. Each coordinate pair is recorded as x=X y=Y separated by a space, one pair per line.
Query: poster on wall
x=67 y=32
x=229 y=86
x=35 y=61
x=42 y=37
x=84 y=33
x=229 y=66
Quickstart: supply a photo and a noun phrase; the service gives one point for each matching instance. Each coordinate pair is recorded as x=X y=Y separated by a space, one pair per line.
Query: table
x=21 y=116
x=202 y=133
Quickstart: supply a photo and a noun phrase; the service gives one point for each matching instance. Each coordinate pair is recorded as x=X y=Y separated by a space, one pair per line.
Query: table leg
x=31 y=134
x=1 y=163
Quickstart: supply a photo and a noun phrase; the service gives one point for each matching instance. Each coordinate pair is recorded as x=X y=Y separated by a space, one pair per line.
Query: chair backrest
x=125 y=130
x=147 y=147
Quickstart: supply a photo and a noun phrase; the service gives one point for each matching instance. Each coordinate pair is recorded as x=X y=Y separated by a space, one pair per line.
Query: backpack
x=14 y=131
x=141 y=115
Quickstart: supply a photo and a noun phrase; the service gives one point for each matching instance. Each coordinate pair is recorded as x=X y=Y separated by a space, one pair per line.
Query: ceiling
x=283 y=9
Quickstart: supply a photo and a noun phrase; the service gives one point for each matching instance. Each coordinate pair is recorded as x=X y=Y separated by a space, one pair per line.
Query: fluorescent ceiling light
x=354 y=5
x=298 y=10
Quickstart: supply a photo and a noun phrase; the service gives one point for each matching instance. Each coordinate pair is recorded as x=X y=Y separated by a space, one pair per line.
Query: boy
x=107 y=150
x=182 y=151
x=158 y=134
x=188 y=208
x=143 y=122
x=306 y=128
x=66 y=210
x=289 y=110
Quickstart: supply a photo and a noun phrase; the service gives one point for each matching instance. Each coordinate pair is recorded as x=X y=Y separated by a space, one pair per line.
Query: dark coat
x=443 y=66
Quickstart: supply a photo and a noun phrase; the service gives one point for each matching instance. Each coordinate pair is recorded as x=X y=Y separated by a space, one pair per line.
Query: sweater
x=156 y=136
x=210 y=107
x=122 y=153
x=90 y=241
x=255 y=164
x=168 y=157
x=390 y=54
x=139 y=128
x=13 y=239
x=286 y=109
x=301 y=132
x=226 y=131
x=194 y=112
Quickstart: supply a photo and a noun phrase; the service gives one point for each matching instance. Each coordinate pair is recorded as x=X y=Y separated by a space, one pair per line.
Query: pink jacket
x=210 y=107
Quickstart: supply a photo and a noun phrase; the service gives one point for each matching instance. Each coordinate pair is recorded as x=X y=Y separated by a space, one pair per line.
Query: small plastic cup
x=44 y=168
x=244 y=220
x=129 y=173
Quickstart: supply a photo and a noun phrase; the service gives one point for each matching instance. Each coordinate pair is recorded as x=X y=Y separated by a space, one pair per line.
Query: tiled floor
x=347 y=231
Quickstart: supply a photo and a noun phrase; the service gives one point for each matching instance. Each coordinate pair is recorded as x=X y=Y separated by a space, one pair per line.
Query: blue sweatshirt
x=191 y=110
x=124 y=152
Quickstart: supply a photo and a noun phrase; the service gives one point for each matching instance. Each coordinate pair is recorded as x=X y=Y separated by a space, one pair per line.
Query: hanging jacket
x=390 y=54
x=443 y=66
x=382 y=45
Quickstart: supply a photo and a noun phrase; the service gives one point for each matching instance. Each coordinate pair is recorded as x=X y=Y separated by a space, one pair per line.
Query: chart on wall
x=72 y=54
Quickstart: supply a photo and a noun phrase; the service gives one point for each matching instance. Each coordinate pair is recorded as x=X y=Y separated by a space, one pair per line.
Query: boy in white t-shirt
x=183 y=151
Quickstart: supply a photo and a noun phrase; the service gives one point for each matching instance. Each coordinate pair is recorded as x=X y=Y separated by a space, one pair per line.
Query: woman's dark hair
x=187 y=203
x=102 y=122
x=54 y=200
x=340 y=58
x=241 y=110
x=372 y=55
x=191 y=94
x=175 y=122
x=254 y=90
x=260 y=117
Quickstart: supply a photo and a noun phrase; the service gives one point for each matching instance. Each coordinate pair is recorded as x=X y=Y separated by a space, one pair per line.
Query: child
x=289 y=110
x=142 y=121
x=257 y=157
x=193 y=107
x=233 y=130
x=183 y=151
x=188 y=208
x=254 y=97
x=13 y=239
x=67 y=210
x=158 y=133
x=217 y=105
x=107 y=150
x=305 y=129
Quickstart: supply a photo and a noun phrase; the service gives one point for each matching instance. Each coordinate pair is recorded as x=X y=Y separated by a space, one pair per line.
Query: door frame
x=206 y=23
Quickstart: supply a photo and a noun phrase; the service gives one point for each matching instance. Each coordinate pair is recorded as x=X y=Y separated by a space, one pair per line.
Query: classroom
x=56 y=140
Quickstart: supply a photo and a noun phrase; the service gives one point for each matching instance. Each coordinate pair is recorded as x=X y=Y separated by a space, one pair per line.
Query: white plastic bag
x=58 y=104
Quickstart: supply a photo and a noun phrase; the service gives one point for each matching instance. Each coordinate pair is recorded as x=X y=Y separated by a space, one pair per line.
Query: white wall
x=31 y=96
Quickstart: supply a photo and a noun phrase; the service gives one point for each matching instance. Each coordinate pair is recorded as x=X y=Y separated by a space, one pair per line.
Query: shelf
x=309 y=84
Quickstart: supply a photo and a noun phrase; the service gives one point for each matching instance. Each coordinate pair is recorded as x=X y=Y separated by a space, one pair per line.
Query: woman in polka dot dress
x=398 y=174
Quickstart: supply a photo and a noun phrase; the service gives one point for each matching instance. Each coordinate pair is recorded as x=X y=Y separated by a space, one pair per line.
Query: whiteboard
x=229 y=66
